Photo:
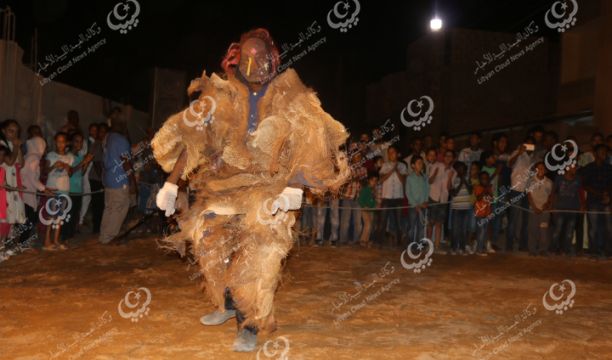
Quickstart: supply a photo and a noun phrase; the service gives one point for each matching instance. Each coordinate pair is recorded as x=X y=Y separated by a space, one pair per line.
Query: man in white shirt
x=440 y=178
x=520 y=161
x=392 y=176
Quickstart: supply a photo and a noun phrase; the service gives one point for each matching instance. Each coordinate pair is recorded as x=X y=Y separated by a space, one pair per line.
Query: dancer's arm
x=178 y=169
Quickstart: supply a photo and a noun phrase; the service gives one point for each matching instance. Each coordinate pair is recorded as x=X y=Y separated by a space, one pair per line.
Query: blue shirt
x=76 y=180
x=417 y=189
x=116 y=146
x=254 y=97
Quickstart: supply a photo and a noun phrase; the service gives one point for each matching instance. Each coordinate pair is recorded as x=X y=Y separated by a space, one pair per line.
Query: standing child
x=470 y=245
x=482 y=210
x=367 y=201
x=15 y=211
x=80 y=164
x=489 y=163
x=417 y=191
x=59 y=163
x=461 y=206
x=540 y=197
x=5 y=227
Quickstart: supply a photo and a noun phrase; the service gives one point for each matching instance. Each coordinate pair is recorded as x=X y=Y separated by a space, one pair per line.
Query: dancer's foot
x=217 y=317
x=245 y=341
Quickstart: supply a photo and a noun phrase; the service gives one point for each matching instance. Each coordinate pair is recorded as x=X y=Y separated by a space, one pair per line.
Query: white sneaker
x=469 y=249
x=490 y=249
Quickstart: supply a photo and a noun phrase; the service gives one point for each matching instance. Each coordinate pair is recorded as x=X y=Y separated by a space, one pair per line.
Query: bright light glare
x=435 y=24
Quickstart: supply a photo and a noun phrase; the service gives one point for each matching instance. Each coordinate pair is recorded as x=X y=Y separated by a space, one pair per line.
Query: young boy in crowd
x=430 y=160
x=81 y=161
x=461 y=206
x=417 y=192
x=482 y=209
x=392 y=176
x=566 y=196
x=539 y=195
x=440 y=183
x=490 y=165
x=367 y=201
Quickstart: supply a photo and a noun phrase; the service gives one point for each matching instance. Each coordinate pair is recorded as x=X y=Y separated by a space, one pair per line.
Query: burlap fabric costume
x=296 y=144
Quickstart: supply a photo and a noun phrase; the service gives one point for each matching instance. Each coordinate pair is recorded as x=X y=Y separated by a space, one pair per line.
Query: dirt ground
x=334 y=303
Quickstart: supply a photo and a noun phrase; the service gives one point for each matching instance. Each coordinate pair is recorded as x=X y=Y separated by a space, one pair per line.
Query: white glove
x=289 y=199
x=166 y=197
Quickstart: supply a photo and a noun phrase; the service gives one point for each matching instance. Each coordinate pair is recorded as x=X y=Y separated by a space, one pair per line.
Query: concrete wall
x=24 y=98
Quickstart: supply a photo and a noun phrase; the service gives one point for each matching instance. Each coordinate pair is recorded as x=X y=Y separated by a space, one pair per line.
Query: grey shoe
x=245 y=341
x=217 y=317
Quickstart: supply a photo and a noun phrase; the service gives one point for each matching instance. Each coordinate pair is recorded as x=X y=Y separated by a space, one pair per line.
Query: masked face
x=255 y=65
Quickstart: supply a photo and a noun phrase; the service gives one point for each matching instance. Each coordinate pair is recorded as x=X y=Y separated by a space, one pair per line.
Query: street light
x=435 y=24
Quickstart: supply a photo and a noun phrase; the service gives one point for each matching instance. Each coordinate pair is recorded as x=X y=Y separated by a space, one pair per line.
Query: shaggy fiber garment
x=239 y=175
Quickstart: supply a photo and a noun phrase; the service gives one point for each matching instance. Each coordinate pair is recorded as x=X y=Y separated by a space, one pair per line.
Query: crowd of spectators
x=480 y=199
x=48 y=191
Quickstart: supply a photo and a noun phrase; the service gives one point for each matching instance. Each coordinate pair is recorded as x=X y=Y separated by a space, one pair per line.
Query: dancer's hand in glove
x=289 y=199
x=166 y=197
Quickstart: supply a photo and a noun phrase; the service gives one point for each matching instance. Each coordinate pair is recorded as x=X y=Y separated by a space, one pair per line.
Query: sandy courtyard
x=137 y=302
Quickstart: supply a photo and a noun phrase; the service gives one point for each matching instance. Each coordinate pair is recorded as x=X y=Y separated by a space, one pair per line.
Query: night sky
x=193 y=35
